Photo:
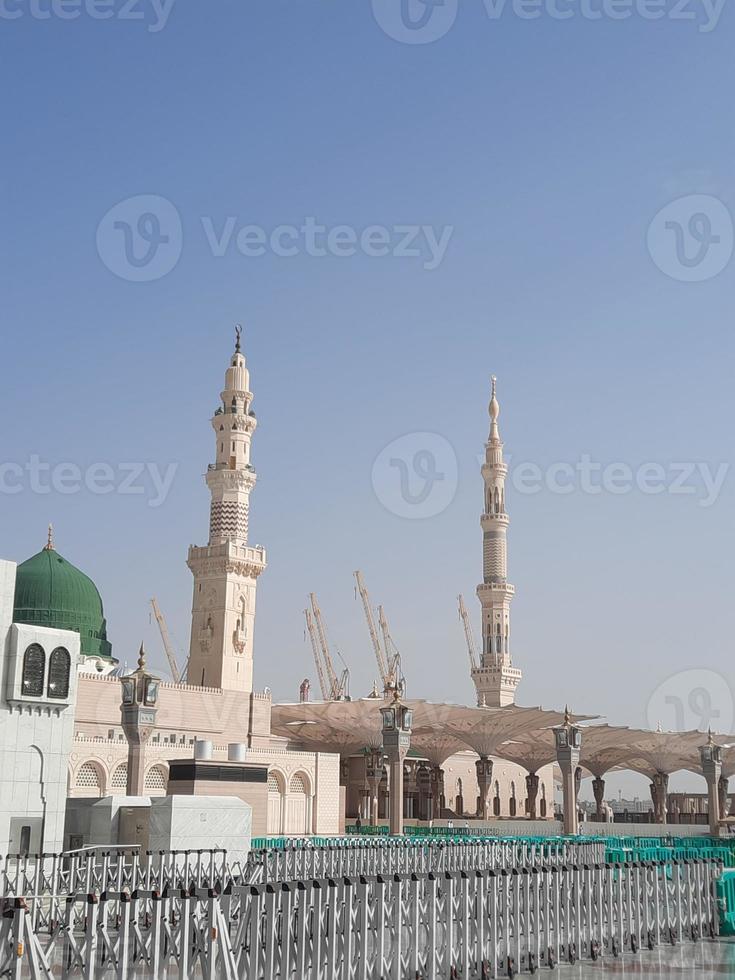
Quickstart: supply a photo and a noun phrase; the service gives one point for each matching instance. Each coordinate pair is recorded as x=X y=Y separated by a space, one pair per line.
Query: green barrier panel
x=726 y=903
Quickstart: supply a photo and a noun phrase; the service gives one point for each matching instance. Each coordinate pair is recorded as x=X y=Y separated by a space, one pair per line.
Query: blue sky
x=545 y=148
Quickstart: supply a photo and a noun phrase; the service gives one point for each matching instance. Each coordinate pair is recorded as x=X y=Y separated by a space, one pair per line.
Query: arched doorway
x=275 y=803
x=297 y=805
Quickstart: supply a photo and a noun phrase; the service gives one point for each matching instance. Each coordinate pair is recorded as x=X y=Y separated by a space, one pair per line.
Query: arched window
x=273 y=785
x=297 y=784
x=156 y=780
x=59 y=668
x=89 y=779
x=120 y=777
x=34 y=670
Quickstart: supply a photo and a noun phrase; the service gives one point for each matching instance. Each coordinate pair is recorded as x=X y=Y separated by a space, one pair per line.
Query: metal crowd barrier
x=45 y=881
x=428 y=925
x=368 y=856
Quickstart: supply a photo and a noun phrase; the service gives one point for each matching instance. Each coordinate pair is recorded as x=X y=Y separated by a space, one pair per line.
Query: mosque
x=306 y=783
x=77 y=733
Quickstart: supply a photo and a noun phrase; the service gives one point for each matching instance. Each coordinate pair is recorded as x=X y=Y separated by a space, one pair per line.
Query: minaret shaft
x=495 y=679
x=226 y=571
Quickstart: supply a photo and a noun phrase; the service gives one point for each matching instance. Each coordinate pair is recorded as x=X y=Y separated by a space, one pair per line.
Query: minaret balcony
x=493 y=590
x=494 y=520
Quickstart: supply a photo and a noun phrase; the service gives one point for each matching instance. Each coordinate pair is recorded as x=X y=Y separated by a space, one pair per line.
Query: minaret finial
x=238 y=335
x=141 y=658
x=50 y=539
x=494 y=407
x=567 y=716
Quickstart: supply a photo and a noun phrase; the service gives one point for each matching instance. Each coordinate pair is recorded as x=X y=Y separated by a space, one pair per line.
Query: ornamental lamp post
x=138 y=710
x=397 y=723
x=568 y=738
x=711 y=760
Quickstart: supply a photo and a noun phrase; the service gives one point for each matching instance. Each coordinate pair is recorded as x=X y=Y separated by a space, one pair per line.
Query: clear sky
x=528 y=158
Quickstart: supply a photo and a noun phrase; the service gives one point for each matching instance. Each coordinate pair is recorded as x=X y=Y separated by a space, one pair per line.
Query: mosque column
x=723 y=786
x=138 y=711
x=532 y=784
x=484 y=769
x=659 y=795
x=437 y=790
x=598 y=788
x=397 y=722
x=711 y=760
x=568 y=740
x=374 y=775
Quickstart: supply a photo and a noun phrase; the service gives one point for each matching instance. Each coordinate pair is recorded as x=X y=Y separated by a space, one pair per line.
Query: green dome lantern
x=51 y=592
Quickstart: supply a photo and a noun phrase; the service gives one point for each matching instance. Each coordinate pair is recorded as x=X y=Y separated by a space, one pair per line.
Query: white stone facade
x=36 y=727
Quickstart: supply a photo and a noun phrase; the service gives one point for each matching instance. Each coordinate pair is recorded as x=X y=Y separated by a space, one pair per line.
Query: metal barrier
x=480 y=924
x=45 y=881
x=352 y=857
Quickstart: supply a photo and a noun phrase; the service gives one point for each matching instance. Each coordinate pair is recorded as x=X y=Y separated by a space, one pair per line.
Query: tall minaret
x=227 y=570
x=496 y=679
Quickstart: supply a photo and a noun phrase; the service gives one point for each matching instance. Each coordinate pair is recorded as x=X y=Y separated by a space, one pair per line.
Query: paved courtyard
x=700 y=960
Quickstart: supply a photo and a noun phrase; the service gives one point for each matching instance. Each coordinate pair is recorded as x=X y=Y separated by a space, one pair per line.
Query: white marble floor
x=697 y=961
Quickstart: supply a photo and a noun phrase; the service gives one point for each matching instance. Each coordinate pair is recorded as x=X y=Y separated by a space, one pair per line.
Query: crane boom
x=332 y=681
x=382 y=668
x=317 y=658
x=167 y=645
x=392 y=656
x=471 y=650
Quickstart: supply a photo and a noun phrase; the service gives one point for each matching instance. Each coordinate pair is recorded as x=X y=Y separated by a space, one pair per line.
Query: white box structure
x=201 y=823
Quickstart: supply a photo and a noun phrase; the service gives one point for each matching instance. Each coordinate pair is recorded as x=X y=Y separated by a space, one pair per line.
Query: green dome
x=49 y=591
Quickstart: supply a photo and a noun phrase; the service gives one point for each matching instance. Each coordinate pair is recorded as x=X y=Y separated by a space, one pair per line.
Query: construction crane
x=167 y=645
x=392 y=656
x=317 y=656
x=471 y=649
x=338 y=686
x=382 y=666
x=333 y=688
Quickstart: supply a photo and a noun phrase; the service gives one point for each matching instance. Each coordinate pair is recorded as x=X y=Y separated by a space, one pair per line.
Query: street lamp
x=397 y=725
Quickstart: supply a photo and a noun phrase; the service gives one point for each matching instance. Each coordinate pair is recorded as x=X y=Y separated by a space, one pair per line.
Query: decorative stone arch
x=298 y=804
x=156 y=779
x=89 y=779
x=276 y=801
x=300 y=782
x=119 y=779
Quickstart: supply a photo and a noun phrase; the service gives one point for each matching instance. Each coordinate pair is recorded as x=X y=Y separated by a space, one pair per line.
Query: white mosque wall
x=36 y=734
